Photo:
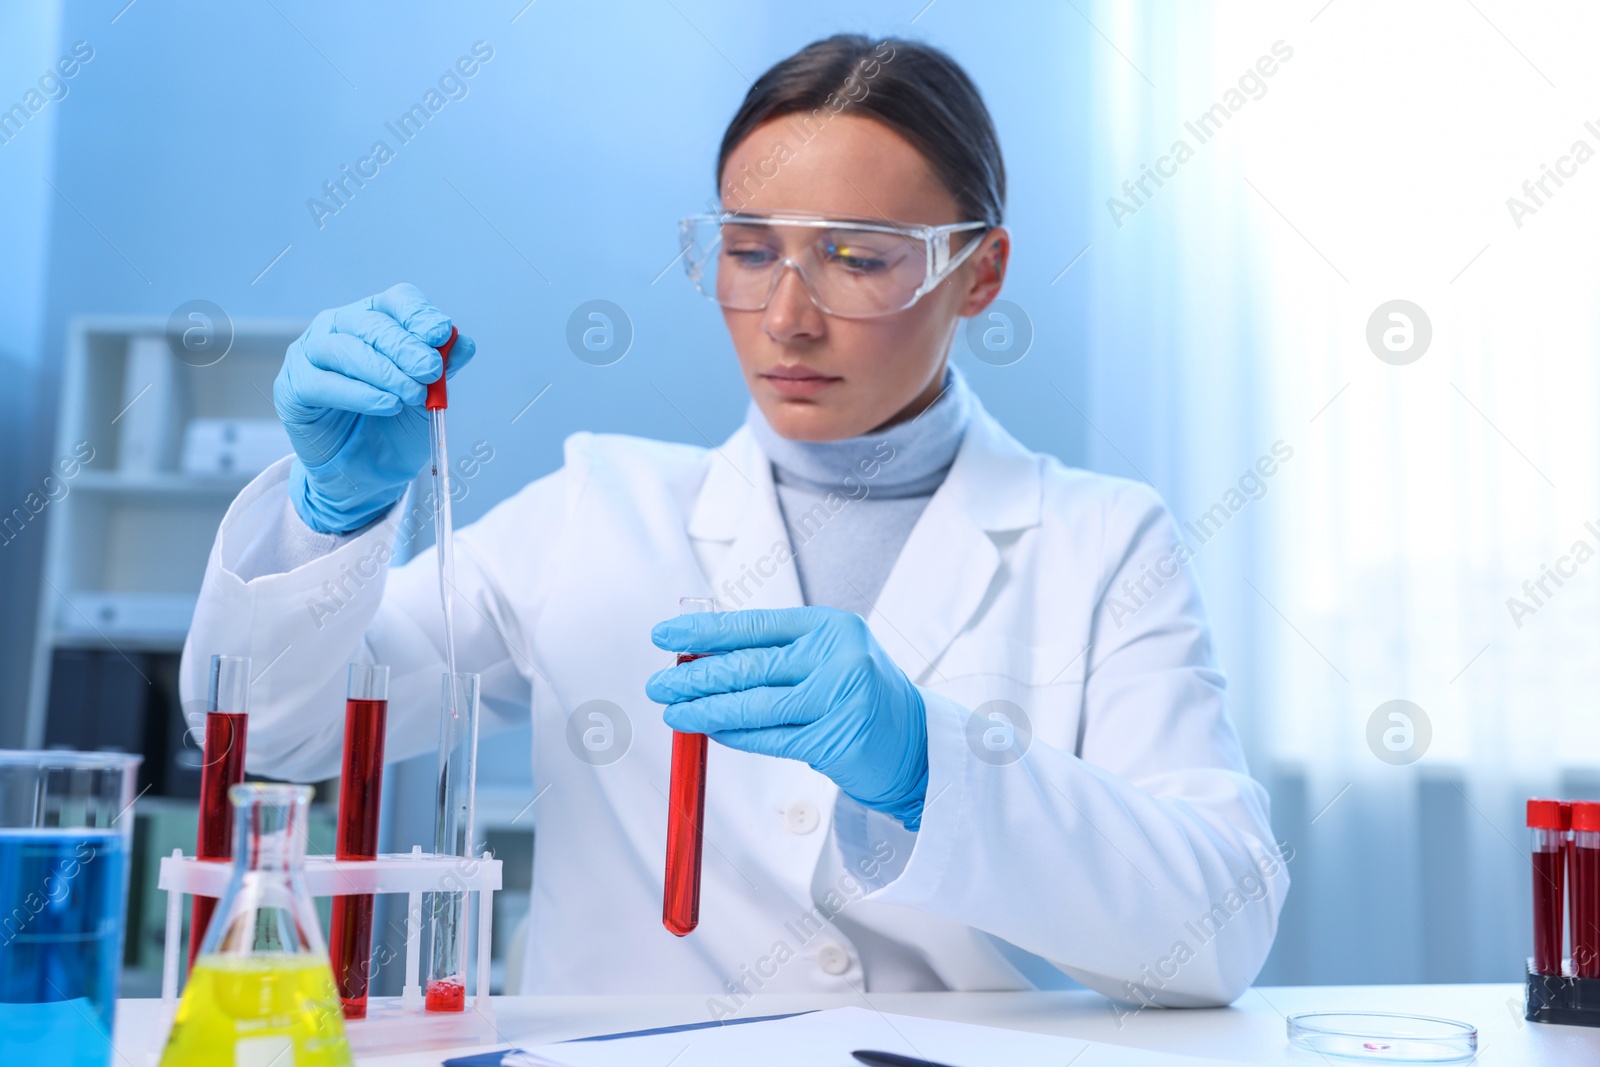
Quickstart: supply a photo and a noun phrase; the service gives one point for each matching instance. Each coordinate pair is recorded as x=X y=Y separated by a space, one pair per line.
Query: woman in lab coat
x=970 y=727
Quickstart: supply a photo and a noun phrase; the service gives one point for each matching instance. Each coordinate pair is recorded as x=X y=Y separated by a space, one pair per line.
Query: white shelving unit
x=127 y=544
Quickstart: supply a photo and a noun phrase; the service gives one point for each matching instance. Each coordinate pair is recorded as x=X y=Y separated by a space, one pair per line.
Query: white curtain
x=1374 y=163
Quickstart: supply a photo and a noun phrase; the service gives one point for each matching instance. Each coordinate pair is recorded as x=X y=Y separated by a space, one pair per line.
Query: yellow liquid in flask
x=277 y=1009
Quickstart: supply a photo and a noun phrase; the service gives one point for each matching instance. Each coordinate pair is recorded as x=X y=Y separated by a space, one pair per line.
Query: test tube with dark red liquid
x=1566 y=828
x=366 y=709
x=1549 y=882
x=222 y=766
x=686 y=812
x=1585 y=883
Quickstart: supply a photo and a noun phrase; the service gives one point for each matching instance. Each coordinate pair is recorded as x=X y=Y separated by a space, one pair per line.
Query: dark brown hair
x=914 y=89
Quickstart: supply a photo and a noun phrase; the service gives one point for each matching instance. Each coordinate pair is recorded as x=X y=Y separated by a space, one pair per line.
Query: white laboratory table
x=1251 y=1030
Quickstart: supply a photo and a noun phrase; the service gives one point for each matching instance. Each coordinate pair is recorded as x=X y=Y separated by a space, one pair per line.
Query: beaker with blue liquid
x=66 y=825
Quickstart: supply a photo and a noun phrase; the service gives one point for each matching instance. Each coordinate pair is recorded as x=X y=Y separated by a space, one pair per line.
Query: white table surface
x=1251 y=1030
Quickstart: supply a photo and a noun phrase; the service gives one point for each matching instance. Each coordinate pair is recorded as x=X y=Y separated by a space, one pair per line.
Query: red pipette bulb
x=437 y=398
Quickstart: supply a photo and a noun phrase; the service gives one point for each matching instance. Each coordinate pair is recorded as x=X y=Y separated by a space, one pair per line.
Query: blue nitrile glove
x=810 y=684
x=350 y=394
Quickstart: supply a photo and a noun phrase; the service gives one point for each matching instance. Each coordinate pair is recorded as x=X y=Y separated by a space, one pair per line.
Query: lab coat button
x=833 y=957
x=801 y=818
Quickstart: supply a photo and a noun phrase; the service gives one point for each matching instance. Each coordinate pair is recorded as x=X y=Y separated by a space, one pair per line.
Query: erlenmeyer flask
x=261 y=990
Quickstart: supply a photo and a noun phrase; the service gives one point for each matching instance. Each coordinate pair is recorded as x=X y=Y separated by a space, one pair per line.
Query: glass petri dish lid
x=1384 y=1037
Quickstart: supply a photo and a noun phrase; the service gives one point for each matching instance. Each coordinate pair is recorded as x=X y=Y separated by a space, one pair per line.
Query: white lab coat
x=1128 y=845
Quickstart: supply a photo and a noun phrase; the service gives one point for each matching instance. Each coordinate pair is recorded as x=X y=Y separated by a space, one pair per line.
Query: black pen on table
x=891 y=1059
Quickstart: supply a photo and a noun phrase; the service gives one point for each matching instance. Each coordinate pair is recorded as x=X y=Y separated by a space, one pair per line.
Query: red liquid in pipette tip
x=222 y=767
x=686 y=804
x=360 y=797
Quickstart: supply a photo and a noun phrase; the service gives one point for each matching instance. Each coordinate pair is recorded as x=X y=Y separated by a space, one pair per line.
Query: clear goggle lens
x=849 y=271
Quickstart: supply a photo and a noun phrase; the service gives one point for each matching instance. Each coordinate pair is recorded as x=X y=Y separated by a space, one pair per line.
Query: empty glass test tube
x=446 y=988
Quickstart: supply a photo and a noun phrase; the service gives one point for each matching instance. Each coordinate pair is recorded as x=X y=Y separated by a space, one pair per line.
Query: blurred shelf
x=163 y=483
x=158 y=618
x=130 y=531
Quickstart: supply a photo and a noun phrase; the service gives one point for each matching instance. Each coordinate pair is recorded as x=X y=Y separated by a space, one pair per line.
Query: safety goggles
x=855 y=270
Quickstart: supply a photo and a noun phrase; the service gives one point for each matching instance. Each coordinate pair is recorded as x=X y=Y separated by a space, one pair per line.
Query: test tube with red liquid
x=1566 y=827
x=1549 y=855
x=366 y=711
x=1585 y=884
x=686 y=812
x=222 y=766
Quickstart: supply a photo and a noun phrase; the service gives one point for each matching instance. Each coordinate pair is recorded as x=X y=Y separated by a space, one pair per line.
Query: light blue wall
x=28 y=50
x=193 y=140
x=190 y=144
x=592 y=129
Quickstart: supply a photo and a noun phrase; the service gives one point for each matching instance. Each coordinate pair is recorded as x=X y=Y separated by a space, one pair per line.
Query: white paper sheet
x=826 y=1039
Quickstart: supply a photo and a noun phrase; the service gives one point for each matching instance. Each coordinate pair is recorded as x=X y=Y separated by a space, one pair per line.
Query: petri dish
x=1384 y=1037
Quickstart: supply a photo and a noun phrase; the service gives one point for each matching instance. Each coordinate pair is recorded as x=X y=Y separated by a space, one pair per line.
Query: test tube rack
x=391 y=1022
x=1561 y=998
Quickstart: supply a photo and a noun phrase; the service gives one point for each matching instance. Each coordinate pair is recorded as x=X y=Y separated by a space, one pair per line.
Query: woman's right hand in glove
x=350 y=394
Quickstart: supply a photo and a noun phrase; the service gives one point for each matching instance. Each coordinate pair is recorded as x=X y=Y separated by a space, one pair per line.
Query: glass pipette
x=458 y=755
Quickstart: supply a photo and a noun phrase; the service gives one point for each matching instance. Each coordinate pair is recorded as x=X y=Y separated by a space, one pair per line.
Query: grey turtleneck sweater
x=849 y=505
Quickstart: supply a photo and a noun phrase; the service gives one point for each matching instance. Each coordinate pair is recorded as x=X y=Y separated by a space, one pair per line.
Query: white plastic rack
x=391 y=1022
